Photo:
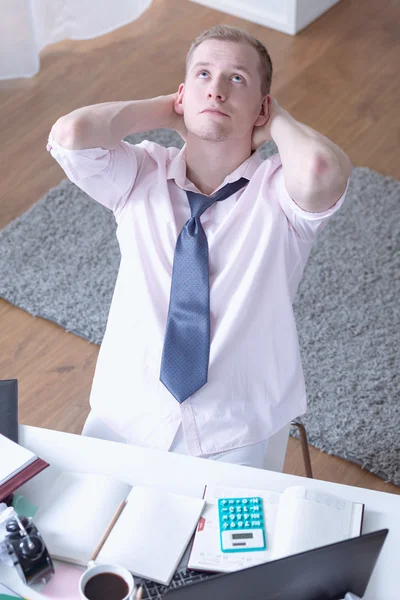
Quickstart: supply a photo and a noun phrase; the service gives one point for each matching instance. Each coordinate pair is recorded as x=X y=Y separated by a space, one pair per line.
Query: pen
x=139 y=593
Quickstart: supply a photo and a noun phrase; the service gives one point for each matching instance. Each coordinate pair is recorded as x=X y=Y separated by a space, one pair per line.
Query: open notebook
x=149 y=537
x=296 y=520
x=17 y=465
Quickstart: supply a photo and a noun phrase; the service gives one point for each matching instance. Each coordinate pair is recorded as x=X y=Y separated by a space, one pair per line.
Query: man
x=200 y=353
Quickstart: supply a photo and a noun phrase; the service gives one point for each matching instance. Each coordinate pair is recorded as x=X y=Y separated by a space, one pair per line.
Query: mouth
x=214 y=112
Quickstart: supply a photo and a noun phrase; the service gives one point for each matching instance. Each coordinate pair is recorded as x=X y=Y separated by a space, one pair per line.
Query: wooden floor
x=340 y=76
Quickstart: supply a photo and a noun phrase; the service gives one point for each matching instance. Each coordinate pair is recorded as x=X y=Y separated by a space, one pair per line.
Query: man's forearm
x=105 y=125
x=311 y=162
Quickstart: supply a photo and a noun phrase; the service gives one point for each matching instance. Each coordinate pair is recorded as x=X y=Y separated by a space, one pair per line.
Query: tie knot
x=200 y=202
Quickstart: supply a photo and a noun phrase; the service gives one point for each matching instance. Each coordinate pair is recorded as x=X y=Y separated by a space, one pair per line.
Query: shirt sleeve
x=305 y=224
x=108 y=176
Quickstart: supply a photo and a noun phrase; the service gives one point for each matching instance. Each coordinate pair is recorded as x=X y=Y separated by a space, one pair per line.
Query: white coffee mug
x=94 y=569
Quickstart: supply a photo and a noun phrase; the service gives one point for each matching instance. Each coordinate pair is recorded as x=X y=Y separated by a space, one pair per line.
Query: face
x=222 y=76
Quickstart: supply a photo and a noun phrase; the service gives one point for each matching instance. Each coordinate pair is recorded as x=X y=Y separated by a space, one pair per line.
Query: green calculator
x=241 y=524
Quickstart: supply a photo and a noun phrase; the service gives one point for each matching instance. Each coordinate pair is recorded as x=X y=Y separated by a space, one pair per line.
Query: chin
x=211 y=134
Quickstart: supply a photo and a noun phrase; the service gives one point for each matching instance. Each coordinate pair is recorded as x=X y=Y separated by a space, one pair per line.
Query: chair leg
x=304 y=447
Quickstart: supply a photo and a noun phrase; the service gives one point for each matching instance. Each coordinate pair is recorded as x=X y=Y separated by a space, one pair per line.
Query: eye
x=240 y=77
x=201 y=73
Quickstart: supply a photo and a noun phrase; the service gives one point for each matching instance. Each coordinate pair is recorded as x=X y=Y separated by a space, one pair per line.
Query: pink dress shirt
x=259 y=242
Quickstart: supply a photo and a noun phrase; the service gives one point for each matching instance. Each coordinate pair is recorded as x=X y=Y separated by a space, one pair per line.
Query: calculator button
x=224 y=517
x=240 y=523
x=225 y=525
x=223 y=502
x=231 y=501
x=244 y=501
x=232 y=517
x=233 y=525
x=247 y=523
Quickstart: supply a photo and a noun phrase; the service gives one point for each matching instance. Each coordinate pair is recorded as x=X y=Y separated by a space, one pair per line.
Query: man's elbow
x=330 y=175
x=329 y=167
x=69 y=132
x=322 y=184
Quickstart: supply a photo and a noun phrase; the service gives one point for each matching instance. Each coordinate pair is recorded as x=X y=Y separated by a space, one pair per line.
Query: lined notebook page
x=307 y=519
x=14 y=458
x=152 y=533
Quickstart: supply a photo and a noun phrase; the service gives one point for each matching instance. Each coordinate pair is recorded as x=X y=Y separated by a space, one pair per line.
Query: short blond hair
x=227 y=33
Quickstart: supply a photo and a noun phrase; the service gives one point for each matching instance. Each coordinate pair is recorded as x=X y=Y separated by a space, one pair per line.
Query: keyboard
x=155 y=591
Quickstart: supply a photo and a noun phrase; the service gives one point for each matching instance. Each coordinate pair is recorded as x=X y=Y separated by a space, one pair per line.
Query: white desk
x=188 y=475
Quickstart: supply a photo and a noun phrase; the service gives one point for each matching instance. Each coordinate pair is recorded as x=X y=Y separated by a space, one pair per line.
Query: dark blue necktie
x=184 y=362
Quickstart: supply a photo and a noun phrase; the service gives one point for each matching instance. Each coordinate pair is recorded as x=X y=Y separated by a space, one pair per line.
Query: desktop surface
x=188 y=475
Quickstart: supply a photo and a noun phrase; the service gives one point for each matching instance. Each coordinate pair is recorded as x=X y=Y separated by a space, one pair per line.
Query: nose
x=217 y=90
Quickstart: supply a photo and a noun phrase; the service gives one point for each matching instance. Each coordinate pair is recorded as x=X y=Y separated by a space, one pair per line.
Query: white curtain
x=27 y=26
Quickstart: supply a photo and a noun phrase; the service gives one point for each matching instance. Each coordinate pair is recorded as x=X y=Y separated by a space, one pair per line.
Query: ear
x=263 y=117
x=178 y=104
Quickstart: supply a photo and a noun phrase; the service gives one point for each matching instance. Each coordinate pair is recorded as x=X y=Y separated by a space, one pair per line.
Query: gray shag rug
x=59 y=261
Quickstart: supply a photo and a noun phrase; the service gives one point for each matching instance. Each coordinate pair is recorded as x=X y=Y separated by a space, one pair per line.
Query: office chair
x=276 y=451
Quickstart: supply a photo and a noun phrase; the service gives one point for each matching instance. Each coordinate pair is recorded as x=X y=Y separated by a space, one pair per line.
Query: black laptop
x=325 y=573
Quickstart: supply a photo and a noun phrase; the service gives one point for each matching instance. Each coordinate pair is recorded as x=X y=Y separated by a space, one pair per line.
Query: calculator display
x=242 y=536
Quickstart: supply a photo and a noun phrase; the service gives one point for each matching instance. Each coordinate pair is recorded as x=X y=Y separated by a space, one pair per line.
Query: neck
x=208 y=163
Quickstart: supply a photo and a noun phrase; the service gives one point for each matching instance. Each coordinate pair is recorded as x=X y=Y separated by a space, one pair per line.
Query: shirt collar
x=176 y=170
